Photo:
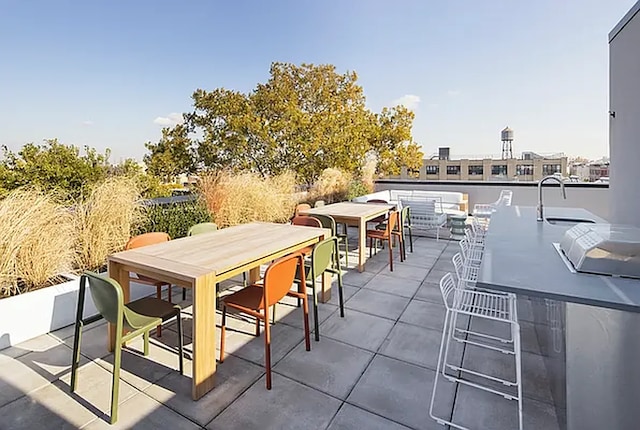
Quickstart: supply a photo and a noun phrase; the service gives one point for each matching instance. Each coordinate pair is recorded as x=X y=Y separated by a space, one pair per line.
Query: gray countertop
x=520 y=258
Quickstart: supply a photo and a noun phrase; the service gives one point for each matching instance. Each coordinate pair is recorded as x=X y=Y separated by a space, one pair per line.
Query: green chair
x=327 y=221
x=138 y=318
x=323 y=254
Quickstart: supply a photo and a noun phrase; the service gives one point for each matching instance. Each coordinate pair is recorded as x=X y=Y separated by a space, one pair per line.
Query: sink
x=567 y=221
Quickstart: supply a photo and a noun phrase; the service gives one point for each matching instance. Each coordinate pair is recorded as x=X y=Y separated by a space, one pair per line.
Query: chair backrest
x=405 y=216
x=447 y=285
x=377 y=201
x=203 y=227
x=458 y=265
x=306 y=221
x=301 y=207
x=107 y=295
x=147 y=239
x=322 y=254
x=327 y=221
x=279 y=277
x=392 y=222
x=505 y=198
x=318 y=203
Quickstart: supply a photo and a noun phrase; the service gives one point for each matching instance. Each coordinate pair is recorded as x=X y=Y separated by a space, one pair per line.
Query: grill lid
x=607 y=249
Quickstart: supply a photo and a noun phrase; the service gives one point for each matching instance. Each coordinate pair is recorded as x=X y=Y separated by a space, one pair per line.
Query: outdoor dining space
x=373 y=366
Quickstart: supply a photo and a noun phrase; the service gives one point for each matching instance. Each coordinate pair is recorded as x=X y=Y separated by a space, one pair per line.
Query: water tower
x=506 y=136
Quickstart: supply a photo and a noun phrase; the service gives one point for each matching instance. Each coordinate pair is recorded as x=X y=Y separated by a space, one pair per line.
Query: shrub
x=104 y=221
x=247 y=197
x=332 y=186
x=358 y=188
x=36 y=241
x=175 y=219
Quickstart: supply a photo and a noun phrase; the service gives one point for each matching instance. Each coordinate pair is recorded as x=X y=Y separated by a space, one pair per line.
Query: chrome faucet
x=542 y=181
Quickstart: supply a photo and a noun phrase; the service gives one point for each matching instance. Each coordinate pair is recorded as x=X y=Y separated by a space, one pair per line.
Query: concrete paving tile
x=233 y=377
x=357 y=279
x=331 y=367
x=141 y=412
x=287 y=406
x=68 y=331
x=350 y=417
x=430 y=292
x=347 y=290
x=418 y=345
x=418 y=259
x=291 y=314
x=388 y=283
x=482 y=410
x=93 y=343
x=94 y=387
x=424 y=314
x=357 y=329
x=377 y=303
x=414 y=273
x=401 y=392
x=246 y=345
x=528 y=337
x=47 y=408
x=434 y=276
x=37 y=344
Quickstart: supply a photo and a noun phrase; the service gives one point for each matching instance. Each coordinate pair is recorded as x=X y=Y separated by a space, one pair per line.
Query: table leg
x=362 y=243
x=254 y=275
x=204 y=335
x=122 y=277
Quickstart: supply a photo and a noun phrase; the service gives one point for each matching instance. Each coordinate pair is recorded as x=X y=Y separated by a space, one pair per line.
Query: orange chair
x=387 y=235
x=300 y=207
x=255 y=300
x=145 y=240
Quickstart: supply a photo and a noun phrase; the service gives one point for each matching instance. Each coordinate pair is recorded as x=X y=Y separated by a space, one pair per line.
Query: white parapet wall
x=592 y=197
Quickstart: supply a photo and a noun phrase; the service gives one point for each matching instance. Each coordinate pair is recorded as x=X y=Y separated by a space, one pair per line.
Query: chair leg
x=159 y=296
x=223 y=330
x=390 y=255
x=184 y=294
x=180 y=341
x=257 y=327
x=340 y=293
x=370 y=247
x=76 y=355
x=305 y=316
x=267 y=346
x=115 y=387
x=169 y=292
x=273 y=315
x=145 y=341
x=346 y=250
x=316 y=325
x=410 y=241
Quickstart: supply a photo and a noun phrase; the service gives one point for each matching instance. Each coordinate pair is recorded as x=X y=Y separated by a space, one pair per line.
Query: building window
x=550 y=169
x=432 y=170
x=453 y=170
x=476 y=170
x=499 y=170
x=524 y=169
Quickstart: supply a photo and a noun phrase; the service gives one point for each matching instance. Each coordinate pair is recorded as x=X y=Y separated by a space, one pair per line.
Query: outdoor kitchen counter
x=586 y=325
x=520 y=258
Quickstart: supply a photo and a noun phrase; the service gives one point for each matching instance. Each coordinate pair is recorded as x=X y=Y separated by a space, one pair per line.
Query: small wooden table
x=199 y=262
x=353 y=214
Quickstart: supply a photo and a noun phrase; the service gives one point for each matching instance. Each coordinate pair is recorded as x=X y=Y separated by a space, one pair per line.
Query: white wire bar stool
x=477 y=304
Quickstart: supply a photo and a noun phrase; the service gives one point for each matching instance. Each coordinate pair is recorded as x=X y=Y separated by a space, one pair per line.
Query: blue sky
x=109 y=73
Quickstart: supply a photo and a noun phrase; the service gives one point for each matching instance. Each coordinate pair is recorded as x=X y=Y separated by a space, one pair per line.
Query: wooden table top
x=219 y=251
x=350 y=210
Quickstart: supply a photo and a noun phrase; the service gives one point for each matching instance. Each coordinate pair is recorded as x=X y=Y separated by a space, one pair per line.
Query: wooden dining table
x=199 y=262
x=357 y=214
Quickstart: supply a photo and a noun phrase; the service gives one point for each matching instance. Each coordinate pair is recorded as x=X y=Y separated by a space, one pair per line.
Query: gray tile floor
x=373 y=369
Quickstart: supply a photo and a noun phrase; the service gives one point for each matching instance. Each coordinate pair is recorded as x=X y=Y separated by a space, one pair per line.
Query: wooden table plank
x=201 y=261
x=353 y=214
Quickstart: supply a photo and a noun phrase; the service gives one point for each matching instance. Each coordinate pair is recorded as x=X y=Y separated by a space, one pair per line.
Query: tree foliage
x=53 y=166
x=304 y=118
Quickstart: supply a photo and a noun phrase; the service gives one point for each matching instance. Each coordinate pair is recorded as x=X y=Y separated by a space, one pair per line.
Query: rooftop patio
x=374 y=369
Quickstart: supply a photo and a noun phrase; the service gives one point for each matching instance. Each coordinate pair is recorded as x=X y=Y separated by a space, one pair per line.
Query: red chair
x=255 y=300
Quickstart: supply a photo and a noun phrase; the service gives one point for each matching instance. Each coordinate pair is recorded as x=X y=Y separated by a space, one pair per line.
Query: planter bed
x=35 y=313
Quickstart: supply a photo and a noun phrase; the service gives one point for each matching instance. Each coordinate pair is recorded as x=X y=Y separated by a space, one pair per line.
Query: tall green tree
x=53 y=166
x=172 y=155
x=304 y=118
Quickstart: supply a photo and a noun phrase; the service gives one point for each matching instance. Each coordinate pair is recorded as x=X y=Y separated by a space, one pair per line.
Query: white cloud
x=87 y=122
x=453 y=93
x=169 y=120
x=410 y=101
